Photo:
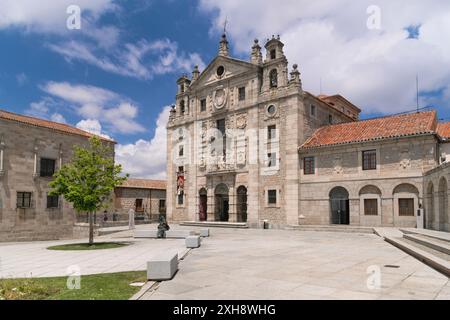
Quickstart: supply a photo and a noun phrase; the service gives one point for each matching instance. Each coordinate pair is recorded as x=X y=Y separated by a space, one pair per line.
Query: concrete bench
x=193 y=241
x=145 y=233
x=162 y=267
x=174 y=234
x=179 y=234
x=204 y=232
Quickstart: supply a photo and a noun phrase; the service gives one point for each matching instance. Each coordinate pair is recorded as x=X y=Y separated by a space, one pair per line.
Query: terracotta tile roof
x=60 y=127
x=144 y=184
x=374 y=129
x=443 y=130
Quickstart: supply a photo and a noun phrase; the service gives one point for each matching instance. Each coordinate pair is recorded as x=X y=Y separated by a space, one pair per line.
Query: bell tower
x=275 y=72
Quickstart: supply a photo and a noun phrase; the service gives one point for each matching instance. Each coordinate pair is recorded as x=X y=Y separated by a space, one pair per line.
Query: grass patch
x=86 y=246
x=106 y=286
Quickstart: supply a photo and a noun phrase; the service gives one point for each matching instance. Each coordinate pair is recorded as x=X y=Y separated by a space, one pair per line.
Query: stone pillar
x=210 y=205
x=35 y=173
x=2 y=147
x=232 y=214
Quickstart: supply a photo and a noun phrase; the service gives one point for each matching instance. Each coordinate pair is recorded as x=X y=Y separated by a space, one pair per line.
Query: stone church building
x=247 y=144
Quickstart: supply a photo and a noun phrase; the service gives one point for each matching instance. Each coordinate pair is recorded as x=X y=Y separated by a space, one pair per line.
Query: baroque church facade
x=246 y=143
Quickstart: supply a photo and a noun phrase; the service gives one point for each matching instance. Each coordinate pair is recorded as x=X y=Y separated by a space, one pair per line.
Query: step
x=331 y=228
x=439 y=235
x=215 y=224
x=438 y=245
x=426 y=257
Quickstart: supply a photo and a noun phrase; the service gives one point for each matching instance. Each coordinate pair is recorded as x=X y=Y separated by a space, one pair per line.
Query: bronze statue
x=162 y=227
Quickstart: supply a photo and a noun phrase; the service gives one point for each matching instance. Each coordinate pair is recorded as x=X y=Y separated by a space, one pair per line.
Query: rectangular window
x=47 y=167
x=313 y=110
x=203 y=105
x=406 y=207
x=272 y=159
x=330 y=119
x=139 y=205
x=23 y=199
x=181 y=151
x=369 y=158
x=241 y=93
x=370 y=207
x=308 y=165
x=52 y=202
x=180 y=169
x=272 y=196
x=271 y=132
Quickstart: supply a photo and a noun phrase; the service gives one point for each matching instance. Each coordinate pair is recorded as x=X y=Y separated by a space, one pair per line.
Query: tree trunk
x=91 y=228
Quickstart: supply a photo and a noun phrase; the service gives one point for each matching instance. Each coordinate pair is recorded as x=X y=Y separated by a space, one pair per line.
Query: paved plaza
x=279 y=264
x=33 y=259
x=248 y=264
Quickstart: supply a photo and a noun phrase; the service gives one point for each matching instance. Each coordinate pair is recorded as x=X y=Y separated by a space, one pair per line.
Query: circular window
x=220 y=71
x=271 y=109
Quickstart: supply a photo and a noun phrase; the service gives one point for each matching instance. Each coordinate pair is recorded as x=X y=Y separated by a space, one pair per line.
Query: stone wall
x=401 y=164
x=24 y=143
x=125 y=199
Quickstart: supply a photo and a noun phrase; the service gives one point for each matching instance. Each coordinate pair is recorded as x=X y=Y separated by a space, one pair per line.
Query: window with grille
x=369 y=158
x=47 y=167
x=406 y=207
x=308 y=165
x=162 y=205
x=370 y=207
x=23 y=199
x=52 y=202
x=272 y=196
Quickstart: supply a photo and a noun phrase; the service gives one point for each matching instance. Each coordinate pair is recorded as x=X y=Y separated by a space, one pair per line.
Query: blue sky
x=116 y=75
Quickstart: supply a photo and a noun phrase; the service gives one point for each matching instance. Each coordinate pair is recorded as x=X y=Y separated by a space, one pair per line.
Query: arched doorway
x=242 y=204
x=203 y=204
x=443 y=204
x=339 y=206
x=221 y=202
x=429 y=210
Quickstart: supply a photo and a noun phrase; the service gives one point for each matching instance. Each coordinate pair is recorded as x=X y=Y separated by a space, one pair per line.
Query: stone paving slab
x=281 y=264
x=33 y=259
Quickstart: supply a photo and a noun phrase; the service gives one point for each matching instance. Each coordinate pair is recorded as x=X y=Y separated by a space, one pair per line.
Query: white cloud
x=93 y=126
x=47 y=15
x=146 y=159
x=117 y=113
x=141 y=60
x=57 y=117
x=329 y=40
x=21 y=79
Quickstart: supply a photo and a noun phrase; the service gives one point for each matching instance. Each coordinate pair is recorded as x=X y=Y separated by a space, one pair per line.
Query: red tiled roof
x=443 y=129
x=144 y=184
x=61 y=127
x=373 y=129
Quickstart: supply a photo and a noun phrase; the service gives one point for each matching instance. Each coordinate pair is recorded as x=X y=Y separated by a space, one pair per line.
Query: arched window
x=273 y=78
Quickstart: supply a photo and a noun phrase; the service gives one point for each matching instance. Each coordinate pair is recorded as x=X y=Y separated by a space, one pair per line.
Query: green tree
x=89 y=179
